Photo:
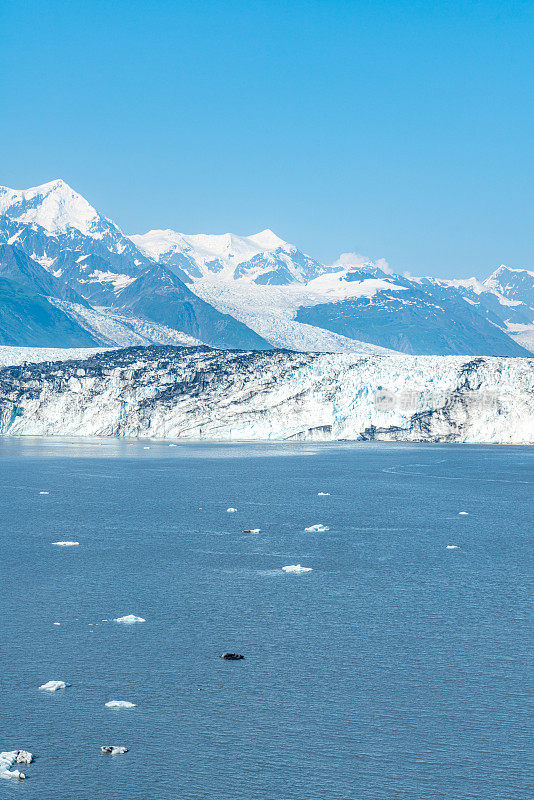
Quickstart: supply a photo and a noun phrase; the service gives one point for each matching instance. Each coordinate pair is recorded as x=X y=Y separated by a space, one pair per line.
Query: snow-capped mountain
x=295 y=302
x=507 y=294
x=198 y=393
x=262 y=258
x=251 y=292
x=57 y=228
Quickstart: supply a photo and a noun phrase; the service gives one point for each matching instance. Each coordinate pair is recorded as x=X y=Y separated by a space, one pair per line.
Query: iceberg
x=119 y=704
x=452 y=547
x=231 y=510
x=114 y=750
x=44 y=492
x=53 y=686
x=463 y=513
x=129 y=619
x=317 y=529
x=323 y=494
x=296 y=568
x=10 y=757
x=252 y=530
x=66 y=544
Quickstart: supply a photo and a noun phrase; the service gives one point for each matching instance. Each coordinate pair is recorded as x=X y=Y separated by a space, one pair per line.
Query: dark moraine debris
x=232 y=656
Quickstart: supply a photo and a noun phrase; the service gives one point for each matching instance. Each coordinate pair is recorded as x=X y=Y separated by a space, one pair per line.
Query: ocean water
x=397 y=668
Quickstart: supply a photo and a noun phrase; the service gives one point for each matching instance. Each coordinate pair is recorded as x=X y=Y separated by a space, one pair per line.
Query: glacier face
x=201 y=393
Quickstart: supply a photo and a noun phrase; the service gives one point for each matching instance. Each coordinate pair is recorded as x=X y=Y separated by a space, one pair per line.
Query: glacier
x=170 y=392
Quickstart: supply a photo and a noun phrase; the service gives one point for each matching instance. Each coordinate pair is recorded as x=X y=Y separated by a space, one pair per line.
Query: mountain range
x=69 y=277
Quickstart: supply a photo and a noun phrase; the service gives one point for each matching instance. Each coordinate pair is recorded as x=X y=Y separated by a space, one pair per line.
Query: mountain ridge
x=258 y=291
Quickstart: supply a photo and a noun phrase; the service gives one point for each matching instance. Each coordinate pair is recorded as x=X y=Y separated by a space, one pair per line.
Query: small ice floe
x=296 y=568
x=119 y=704
x=10 y=757
x=317 y=529
x=463 y=513
x=56 y=623
x=129 y=619
x=323 y=494
x=66 y=544
x=53 y=686
x=44 y=492
x=114 y=750
x=231 y=510
x=252 y=530
x=452 y=547
x=146 y=447
x=172 y=445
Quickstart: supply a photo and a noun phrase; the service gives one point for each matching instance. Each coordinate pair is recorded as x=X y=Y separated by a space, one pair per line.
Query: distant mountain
x=245 y=292
x=16 y=266
x=27 y=318
x=262 y=258
x=59 y=229
x=418 y=316
x=295 y=302
x=159 y=295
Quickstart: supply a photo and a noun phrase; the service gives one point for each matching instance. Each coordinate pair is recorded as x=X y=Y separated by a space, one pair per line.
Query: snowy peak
x=262 y=258
x=205 y=246
x=53 y=206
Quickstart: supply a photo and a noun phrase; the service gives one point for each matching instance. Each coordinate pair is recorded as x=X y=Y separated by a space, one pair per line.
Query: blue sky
x=400 y=130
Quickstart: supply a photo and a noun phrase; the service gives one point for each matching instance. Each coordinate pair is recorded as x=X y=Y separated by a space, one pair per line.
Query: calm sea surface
x=397 y=668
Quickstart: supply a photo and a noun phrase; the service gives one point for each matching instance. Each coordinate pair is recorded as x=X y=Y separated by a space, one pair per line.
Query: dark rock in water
x=232 y=656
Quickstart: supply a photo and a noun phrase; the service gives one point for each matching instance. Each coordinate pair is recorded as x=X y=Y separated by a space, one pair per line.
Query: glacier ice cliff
x=171 y=392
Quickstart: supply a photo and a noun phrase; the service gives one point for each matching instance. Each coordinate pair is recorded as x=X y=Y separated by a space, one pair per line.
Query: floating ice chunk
x=172 y=445
x=23 y=757
x=296 y=568
x=317 y=529
x=10 y=757
x=114 y=750
x=66 y=544
x=252 y=530
x=452 y=547
x=146 y=447
x=53 y=686
x=323 y=494
x=56 y=623
x=44 y=492
x=119 y=704
x=129 y=619
x=231 y=510
x=463 y=513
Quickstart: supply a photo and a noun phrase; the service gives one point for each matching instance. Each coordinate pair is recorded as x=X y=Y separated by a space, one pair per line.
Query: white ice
x=463 y=513
x=10 y=757
x=53 y=686
x=296 y=568
x=119 y=704
x=129 y=619
x=323 y=494
x=44 y=492
x=231 y=510
x=66 y=544
x=452 y=547
x=114 y=750
x=317 y=528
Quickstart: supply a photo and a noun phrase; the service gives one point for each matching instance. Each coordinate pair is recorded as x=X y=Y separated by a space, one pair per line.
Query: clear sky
x=395 y=129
